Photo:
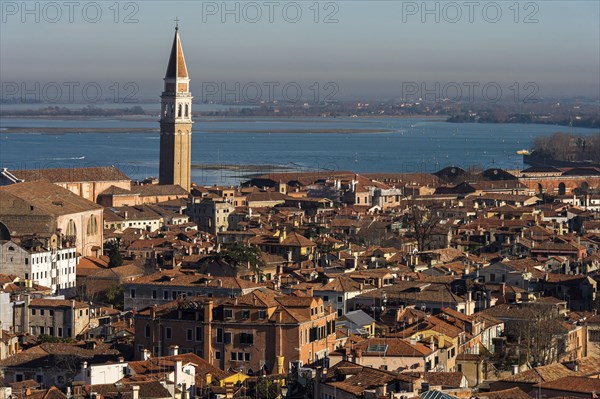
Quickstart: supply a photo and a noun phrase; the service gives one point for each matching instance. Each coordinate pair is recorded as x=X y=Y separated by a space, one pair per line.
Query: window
x=165 y=294
x=227 y=337
x=92 y=226
x=262 y=314
x=234 y=356
x=246 y=357
x=492 y=277
x=198 y=333
x=60 y=334
x=245 y=314
x=594 y=335
x=33 y=312
x=228 y=313
x=146 y=331
x=154 y=294
x=246 y=338
x=168 y=333
x=217 y=355
x=189 y=334
x=340 y=299
x=132 y=293
x=459 y=368
x=219 y=335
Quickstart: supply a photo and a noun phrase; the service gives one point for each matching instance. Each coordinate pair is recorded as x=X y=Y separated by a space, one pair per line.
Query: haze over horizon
x=369 y=49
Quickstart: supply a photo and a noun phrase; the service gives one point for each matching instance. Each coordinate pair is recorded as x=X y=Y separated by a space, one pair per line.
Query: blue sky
x=369 y=48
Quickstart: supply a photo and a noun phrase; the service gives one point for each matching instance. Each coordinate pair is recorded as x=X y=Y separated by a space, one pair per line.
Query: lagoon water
x=409 y=145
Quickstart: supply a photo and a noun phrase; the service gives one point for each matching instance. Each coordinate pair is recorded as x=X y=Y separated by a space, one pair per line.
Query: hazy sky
x=368 y=48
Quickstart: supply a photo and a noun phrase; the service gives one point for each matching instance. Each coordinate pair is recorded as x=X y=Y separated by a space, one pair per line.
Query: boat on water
x=523 y=152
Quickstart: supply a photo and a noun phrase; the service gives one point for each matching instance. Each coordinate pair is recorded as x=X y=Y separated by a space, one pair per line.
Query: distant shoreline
x=71 y=130
x=245 y=168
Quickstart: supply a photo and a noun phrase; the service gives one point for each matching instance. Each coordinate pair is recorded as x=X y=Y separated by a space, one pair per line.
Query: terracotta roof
x=444 y=379
x=158 y=190
x=393 y=347
x=41 y=198
x=71 y=175
x=177 y=278
x=573 y=384
x=513 y=393
x=57 y=303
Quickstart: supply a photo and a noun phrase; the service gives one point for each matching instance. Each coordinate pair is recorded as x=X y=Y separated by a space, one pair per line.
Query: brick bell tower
x=176 y=121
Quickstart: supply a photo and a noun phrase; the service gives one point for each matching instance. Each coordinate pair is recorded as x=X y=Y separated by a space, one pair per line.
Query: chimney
x=173 y=350
x=135 y=392
x=145 y=354
x=358 y=355
x=153 y=312
x=515 y=369
x=178 y=367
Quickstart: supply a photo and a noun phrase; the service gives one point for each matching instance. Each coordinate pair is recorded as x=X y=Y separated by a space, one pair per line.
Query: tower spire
x=177 y=67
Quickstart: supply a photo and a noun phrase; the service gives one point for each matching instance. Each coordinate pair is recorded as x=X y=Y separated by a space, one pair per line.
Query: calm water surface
x=411 y=145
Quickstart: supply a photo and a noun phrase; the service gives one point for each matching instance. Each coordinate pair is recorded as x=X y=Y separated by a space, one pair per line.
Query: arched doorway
x=562 y=189
x=4 y=232
x=540 y=189
x=584 y=187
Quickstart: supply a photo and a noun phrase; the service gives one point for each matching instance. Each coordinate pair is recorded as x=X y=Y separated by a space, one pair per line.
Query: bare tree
x=421 y=223
x=539 y=334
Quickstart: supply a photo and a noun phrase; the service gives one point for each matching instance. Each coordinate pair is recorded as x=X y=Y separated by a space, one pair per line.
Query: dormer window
x=228 y=313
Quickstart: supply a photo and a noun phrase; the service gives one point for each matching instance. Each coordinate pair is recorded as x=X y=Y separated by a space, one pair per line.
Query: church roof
x=176 y=67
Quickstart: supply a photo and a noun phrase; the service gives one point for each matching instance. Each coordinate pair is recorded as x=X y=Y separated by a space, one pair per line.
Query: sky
x=350 y=49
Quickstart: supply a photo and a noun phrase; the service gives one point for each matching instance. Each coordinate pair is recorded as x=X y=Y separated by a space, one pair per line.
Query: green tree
x=115 y=255
x=115 y=295
x=239 y=255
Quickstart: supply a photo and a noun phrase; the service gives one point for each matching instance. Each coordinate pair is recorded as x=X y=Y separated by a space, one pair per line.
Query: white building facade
x=49 y=267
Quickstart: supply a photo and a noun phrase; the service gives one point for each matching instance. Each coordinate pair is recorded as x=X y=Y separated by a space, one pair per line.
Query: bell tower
x=176 y=121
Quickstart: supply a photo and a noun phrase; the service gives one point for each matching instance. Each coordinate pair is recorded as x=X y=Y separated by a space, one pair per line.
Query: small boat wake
x=66 y=159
